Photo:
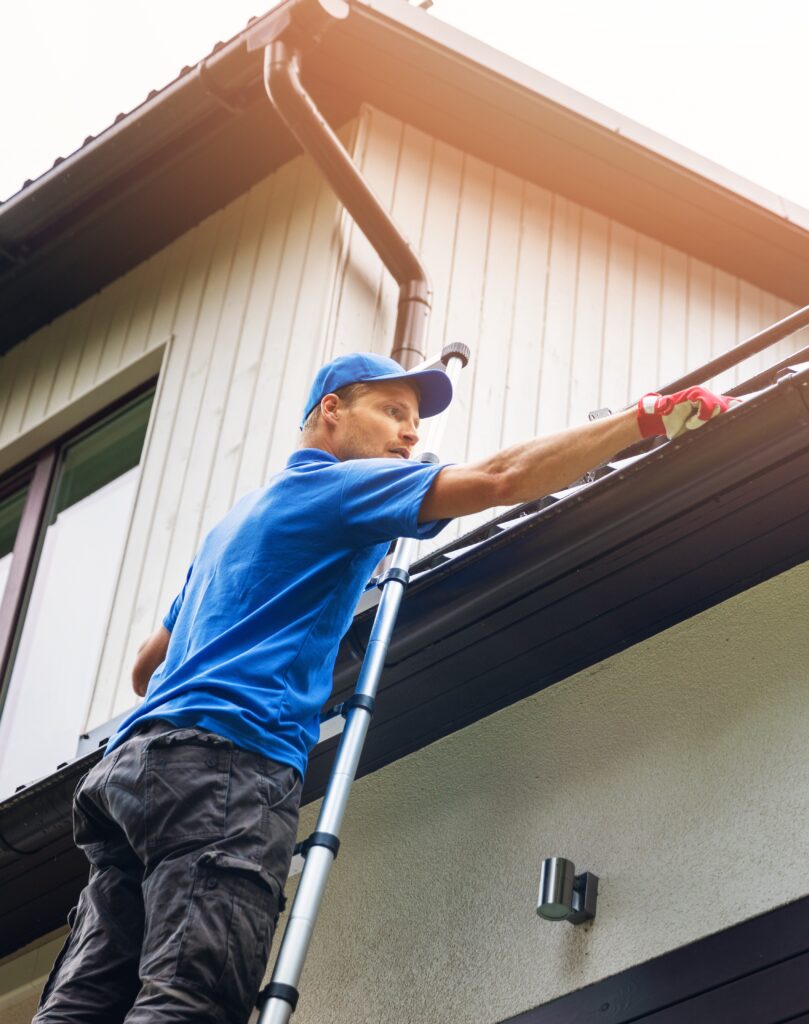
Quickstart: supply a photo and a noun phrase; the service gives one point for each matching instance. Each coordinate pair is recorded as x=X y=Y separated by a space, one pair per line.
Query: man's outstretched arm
x=541 y=466
x=529 y=470
x=151 y=653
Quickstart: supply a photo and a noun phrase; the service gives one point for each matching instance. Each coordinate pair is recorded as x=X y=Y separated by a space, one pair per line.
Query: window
x=10 y=515
x=68 y=523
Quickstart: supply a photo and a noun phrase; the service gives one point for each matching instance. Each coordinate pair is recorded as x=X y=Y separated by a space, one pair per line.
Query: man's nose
x=409 y=434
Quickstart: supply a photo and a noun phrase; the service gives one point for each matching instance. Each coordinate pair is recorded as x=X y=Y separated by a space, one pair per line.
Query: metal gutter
x=282 y=37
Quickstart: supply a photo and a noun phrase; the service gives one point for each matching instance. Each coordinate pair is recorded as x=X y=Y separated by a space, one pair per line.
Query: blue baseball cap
x=365 y=367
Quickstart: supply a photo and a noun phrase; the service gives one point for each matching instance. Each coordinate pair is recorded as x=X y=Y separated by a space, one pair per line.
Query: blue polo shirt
x=270 y=593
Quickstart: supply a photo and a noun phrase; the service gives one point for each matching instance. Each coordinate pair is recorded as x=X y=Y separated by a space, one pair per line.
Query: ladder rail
x=776 y=332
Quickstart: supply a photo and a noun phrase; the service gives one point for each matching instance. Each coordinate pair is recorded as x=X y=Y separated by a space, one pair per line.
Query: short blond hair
x=347 y=395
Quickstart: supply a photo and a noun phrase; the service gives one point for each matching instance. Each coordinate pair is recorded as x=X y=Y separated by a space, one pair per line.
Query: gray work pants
x=189 y=840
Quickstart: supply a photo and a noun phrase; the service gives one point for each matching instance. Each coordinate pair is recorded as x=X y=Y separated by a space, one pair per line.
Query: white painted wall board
x=408 y=208
x=560 y=313
x=413 y=184
x=358 y=324
x=282 y=221
x=673 y=317
x=381 y=158
x=167 y=297
x=532 y=276
x=24 y=370
x=465 y=303
x=9 y=364
x=249 y=342
x=228 y=293
x=724 y=325
x=583 y=382
x=644 y=372
x=91 y=347
x=490 y=368
x=138 y=330
x=700 y=313
x=617 y=343
x=126 y=301
x=48 y=371
x=441 y=206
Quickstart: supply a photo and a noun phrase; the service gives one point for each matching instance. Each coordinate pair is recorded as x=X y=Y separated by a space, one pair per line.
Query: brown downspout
x=282 y=57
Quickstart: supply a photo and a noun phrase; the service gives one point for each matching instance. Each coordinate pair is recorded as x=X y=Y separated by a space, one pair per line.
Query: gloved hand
x=672 y=415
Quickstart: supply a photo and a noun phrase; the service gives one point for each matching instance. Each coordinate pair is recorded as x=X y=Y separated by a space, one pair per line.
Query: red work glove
x=672 y=415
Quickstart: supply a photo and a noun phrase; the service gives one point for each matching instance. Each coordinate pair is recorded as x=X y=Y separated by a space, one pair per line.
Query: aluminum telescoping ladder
x=279 y=998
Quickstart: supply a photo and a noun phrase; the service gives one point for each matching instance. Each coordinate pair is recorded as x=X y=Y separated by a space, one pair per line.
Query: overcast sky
x=727 y=79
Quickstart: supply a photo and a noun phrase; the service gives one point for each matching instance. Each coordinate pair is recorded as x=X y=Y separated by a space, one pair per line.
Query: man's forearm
x=538 y=467
x=529 y=470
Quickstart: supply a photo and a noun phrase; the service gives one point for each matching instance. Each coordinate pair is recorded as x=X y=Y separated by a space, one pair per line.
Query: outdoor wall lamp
x=564 y=895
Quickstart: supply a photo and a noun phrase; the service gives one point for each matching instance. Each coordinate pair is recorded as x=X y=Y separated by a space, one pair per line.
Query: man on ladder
x=189 y=821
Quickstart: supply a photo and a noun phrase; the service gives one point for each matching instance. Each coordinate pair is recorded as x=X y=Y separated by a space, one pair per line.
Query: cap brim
x=434 y=385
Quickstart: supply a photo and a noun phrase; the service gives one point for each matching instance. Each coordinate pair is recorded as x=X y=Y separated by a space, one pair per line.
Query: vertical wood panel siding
x=565 y=310
x=249 y=334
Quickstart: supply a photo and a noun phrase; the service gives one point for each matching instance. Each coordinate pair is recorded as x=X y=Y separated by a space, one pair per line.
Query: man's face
x=382 y=422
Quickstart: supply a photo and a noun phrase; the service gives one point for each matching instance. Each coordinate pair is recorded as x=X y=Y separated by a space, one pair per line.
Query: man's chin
x=363 y=454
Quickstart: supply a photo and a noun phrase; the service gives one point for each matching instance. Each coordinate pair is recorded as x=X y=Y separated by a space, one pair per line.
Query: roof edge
x=494 y=62
x=458 y=44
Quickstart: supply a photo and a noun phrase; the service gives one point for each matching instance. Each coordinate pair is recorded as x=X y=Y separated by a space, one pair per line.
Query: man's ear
x=329 y=406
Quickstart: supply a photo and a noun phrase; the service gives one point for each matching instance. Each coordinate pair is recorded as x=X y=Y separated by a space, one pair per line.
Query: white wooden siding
x=565 y=310
x=249 y=335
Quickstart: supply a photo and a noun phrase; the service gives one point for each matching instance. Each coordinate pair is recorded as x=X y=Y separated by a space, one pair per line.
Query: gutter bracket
x=235 y=102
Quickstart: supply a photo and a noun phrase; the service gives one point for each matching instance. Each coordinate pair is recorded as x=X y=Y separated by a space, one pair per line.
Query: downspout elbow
x=303 y=119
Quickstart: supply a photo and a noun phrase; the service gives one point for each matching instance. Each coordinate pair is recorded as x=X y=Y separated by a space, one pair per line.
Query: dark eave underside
x=207 y=137
x=685 y=527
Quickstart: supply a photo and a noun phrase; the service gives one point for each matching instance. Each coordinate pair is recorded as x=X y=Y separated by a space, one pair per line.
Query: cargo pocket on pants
x=226 y=939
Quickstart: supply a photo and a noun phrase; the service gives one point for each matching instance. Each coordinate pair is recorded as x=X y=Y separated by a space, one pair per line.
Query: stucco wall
x=22 y=978
x=677 y=771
